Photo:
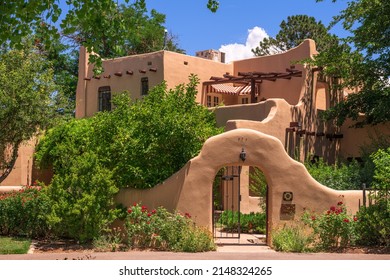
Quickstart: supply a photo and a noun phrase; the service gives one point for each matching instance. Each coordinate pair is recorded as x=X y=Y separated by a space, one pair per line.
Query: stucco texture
x=190 y=189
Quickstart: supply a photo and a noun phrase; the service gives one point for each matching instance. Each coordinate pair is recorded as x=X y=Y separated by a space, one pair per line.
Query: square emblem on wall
x=288 y=196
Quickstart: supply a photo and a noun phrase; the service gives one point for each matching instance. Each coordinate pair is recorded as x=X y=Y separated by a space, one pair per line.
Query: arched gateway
x=291 y=189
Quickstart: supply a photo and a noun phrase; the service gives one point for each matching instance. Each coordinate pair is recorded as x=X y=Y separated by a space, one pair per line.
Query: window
x=212 y=101
x=144 y=86
x=208 y=101
x=104 y=98
x=216 y=101
x=245 y=100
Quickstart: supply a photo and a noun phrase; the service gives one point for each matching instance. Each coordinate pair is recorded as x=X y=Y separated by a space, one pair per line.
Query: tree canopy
x=293 y=32
x=27 y=101
x=103 y=26
x=362 y=63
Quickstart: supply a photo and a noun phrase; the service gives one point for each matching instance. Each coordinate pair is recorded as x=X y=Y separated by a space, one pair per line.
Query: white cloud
x=240 y=51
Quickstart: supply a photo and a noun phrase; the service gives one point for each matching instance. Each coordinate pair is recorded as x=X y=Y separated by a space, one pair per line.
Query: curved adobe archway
x=190 y=189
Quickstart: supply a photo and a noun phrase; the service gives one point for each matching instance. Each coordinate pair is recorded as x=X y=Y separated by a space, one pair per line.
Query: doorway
x=239 y=206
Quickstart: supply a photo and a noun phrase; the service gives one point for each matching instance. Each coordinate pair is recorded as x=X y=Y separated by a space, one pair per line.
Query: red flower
x=129 y=210
x=328 y=212
x=149 y=214
x=340 y=203
x=355 y=219
x=144 y=208
x=154 y=211
x=187 y=215
x=313 y=218
x=346 y=220
x=332 y=208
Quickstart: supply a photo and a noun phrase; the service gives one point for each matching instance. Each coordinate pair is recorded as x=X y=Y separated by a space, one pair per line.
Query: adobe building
x=269 y=107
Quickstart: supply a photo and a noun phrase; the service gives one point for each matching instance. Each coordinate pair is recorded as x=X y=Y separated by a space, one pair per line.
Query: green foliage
x=339 y=176
x=362 y=62
x=290 y=239
x=162 y=230
x=373 y=227
x=23 y=213
x=141 y=142
x=249 y=223
x=333 y=229
x=374 y=221
x=213 y=5
x=97 y=20
x=104 y=27
x=109 y=241
x=26 y=101
x=294 y=32
x=14 y=245
x=82 y=200
x=378 y=141
x=381 y=160
x=119 y=30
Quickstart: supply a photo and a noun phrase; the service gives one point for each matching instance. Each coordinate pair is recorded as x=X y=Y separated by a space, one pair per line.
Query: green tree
x=27 y=101
x=63 y=59
x=362 y=63
x=293 y=32
x=100 y=19
x=119 y=30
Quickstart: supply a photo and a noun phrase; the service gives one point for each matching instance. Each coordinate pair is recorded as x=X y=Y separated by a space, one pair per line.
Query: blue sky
x=238 y=25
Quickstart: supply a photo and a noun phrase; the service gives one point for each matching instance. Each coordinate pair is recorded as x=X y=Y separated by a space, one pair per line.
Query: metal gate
x=226 y=203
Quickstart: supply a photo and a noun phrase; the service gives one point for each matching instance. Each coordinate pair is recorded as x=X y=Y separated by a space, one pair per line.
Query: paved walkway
x=249 y=247
x=226 y=252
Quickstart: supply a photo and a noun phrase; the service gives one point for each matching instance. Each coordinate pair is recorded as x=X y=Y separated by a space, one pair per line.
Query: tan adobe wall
x=354 y=139
x=87 y=90
x=178 y=67
x=291 y=90
x=190 y=189
x=21 y=174
x=172 y=67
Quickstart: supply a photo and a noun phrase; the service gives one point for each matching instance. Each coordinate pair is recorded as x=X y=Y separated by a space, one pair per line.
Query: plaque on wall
x=287 y=211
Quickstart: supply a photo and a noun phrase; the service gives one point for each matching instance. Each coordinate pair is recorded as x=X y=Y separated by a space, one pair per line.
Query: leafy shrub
x=332 y=229
x=249 y=223
x=373 y=227
x=109 y=241
x=24 y=212
x=142 y=142
x=290 y=239
x=381 y=160
x=83 y=199
x=162 y=230
x=339 y=176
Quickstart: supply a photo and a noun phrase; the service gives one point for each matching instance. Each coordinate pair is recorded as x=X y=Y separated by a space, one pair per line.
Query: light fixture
x=243 y=154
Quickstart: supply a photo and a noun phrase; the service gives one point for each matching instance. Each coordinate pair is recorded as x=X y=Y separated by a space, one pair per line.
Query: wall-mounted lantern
x=243 y=154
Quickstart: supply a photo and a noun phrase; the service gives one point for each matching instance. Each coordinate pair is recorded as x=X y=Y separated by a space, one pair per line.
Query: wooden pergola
x=253 y=78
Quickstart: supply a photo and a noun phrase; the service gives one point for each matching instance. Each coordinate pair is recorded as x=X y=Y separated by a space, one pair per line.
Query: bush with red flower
x=334 y=228
x=24 y=212
x=161 y=230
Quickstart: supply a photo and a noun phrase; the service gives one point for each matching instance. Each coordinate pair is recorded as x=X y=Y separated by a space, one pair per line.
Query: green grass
x=14 y=245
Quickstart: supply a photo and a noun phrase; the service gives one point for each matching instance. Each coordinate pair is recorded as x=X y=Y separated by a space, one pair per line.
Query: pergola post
x=253 y=91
